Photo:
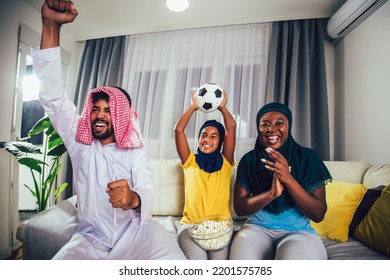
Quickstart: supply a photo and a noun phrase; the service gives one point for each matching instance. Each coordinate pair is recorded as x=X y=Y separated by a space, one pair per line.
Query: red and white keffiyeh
x=124 y=120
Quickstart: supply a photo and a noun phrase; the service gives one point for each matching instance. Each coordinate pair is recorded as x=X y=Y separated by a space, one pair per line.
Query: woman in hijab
x=280 y=185
x=206 y=175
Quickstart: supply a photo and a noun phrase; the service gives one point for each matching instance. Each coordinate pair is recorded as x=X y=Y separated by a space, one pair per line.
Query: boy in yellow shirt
x=206 y=175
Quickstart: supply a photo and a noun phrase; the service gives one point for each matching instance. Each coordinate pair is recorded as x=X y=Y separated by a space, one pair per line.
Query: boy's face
x=209 y=139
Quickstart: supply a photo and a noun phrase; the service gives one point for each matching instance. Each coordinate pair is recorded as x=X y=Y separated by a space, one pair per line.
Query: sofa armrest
x=44 y=234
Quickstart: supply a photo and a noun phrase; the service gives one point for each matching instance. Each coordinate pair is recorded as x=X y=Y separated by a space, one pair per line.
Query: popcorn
x=210 y=226
x=208 y=234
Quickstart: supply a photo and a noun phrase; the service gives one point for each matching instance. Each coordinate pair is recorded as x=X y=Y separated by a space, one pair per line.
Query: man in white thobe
x=111 y=172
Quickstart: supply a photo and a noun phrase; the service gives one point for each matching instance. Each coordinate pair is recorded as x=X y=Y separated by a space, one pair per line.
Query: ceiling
x=102 y=18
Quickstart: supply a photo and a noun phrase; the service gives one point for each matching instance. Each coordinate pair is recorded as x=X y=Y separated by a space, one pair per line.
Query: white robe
x=104 y=232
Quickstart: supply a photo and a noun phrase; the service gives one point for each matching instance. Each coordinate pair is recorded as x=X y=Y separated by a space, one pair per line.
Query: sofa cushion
x=47 y=231
x=348 y=171
x=377 y=175
x=374 y=229
x=170 y=223
x=232 y=182
x=168 y=178
x=365 y=205
x=342 y=200
x=351 y=250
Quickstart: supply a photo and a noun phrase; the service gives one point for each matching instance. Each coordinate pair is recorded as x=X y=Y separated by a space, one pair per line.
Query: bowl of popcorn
x=212 y=233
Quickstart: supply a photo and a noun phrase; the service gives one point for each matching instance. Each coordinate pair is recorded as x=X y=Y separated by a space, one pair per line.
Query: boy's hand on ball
x=194 y=100
x=224 y=101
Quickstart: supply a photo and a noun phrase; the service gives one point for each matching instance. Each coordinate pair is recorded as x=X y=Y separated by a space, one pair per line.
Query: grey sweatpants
x=253 y=242
x=193 y=252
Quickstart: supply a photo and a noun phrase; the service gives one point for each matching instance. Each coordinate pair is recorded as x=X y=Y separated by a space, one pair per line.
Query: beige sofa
x=45 y=233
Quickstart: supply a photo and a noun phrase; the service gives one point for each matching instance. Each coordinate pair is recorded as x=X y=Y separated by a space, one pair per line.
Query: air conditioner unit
x=350 y=15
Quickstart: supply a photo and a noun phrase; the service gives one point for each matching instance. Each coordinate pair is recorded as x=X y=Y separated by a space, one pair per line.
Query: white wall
x=11 y=13
x=367 y=89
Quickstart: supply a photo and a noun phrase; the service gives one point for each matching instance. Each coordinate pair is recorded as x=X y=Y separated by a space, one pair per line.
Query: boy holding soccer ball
x=207 y=174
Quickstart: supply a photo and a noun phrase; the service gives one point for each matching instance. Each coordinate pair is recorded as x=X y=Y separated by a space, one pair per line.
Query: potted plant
x=44 y=171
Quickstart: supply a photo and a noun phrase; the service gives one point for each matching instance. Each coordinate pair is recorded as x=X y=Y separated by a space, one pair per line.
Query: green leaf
x=57 y=151
x=50 y=130
x=32 y=192
x=60 y=189
x=36 y=186
x=53 y=174
x=32 y=163
x=40 y=126
x=19 y=149
x=54 y=140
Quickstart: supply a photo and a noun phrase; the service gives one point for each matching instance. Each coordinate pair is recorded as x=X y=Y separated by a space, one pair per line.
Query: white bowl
x=212 y=233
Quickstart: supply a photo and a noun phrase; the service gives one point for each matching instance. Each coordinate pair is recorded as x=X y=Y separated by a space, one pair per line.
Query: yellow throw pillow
x=374 y=230
x=342 y=199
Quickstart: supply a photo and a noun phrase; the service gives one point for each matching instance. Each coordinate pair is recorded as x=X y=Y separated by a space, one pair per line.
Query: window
x=161 y=70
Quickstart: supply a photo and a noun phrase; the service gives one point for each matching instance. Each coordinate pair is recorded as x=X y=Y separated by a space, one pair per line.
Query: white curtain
x=161 y=69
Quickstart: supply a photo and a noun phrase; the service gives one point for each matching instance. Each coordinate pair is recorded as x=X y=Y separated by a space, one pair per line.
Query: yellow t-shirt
x=205 y=194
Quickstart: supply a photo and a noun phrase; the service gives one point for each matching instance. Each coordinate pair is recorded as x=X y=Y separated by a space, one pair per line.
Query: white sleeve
x=61 y=111
x=142 y=184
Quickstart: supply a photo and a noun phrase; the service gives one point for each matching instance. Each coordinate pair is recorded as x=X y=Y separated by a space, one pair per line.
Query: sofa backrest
x=348 y=171
x=168 y=178
x=377 y=175
x=169 y=181
x=359 y=172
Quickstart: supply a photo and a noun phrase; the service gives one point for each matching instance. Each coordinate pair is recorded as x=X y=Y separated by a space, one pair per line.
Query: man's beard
x=103 y=135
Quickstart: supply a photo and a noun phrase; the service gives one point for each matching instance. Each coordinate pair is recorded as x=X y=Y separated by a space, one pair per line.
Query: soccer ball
x=209 y=96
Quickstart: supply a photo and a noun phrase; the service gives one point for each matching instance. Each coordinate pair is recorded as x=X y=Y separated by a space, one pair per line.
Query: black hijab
x=211 y=162
x=306 y=166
